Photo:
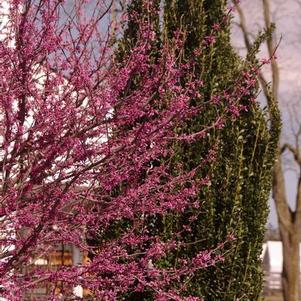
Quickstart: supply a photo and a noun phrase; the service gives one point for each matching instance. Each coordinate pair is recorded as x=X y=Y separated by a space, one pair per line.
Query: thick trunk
x=291 y=269
x=290 y=230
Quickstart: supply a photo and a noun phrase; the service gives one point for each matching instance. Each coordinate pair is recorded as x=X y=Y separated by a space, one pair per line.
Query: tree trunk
x=290 y=230
x=291 y=269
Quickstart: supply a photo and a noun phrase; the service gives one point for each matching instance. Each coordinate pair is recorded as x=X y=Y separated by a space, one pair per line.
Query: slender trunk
x=291 y=268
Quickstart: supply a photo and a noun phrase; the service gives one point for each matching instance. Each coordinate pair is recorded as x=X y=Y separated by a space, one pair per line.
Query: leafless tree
x=289 y=218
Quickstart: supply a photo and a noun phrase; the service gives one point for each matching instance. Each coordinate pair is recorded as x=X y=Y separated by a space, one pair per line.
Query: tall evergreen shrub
x=235 y=199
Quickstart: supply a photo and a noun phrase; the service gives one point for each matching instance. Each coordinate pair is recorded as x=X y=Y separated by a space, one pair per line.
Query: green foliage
x=130 y=37
x=236 y=202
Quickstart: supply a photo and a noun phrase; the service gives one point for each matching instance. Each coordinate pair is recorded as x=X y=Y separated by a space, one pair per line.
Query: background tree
x=289 y=219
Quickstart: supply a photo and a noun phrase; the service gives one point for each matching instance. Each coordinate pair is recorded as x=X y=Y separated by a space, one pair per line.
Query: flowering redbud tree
x=82 y=154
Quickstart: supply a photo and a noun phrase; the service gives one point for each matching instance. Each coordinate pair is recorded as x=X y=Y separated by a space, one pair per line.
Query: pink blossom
x=82 y=152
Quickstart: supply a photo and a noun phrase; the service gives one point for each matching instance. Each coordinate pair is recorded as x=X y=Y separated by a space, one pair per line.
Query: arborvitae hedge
x=236 y=202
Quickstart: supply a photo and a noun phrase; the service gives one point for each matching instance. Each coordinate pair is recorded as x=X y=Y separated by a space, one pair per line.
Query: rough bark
x=291 y=271
x=289 y=226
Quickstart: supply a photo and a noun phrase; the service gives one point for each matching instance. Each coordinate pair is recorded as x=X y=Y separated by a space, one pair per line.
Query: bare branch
x=293 y=150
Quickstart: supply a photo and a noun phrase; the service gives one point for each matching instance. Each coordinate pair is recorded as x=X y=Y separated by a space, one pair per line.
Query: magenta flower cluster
x=78 y=149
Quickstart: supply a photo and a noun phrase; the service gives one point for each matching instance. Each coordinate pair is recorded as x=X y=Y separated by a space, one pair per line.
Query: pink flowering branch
x=73 y=135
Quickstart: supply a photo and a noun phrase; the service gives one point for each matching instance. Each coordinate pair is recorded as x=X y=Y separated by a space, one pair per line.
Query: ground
x=276 y=297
